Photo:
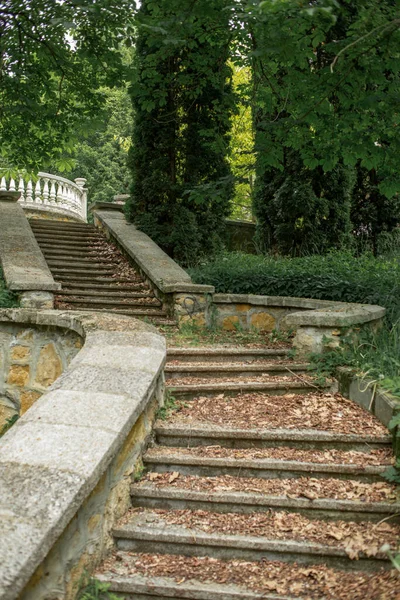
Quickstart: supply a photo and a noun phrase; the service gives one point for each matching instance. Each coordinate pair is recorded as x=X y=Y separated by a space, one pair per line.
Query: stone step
x=66 y=245
x=172 y=532
x=306 y=496
x=102 y=285
x=116 y=293
x=218 y=371
x=186 y=462
x=105 y=280
x=65 y=237
x=90 y=272
x=68 y=254
x=133 y=312
x=82 y=264
x=138 y=576
x=61 y=224
x=232 y=388
x=78 y=259
x=222 y=354
x=73 y=231
x=110 y=302
x=196 y=434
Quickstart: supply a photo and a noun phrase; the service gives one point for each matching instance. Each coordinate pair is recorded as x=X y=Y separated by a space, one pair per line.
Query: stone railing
x=50 y=194
x=66 y=465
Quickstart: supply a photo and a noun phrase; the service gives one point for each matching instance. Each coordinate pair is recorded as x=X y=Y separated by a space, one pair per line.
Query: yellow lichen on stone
x=230 y=323
x=20 y=353
x=26 y=335
x=137 y=434
x=49 y=366
x=18 y=375
x=262 y=321
x=242 y=307
x=197 y=319
x=28 y=399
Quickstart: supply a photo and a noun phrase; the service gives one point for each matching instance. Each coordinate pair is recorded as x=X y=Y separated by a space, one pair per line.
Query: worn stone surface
x=36 y=300
x=49 y=366
x=65 y=466
x=23 y=263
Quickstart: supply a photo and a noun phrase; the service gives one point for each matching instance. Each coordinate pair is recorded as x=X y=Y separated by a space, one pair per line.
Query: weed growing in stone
x=8 y=424
x=7 y=298
x=171 y=404
x=93 y=589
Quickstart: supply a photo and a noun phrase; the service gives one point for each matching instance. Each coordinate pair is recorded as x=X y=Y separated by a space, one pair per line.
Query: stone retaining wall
x=31 y=359
x=66 y=465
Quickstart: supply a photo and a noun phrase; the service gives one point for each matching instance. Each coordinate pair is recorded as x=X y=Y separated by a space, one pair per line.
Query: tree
x=54 y=58
x=326 y=91
x=183 y=100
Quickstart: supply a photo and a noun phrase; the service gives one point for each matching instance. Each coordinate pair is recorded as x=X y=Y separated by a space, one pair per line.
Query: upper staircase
x=93 y=273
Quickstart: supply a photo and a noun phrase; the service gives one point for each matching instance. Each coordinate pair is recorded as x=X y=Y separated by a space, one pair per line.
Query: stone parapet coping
x=314 y=312
x=56 y=453
x=23 y=263
x=157 y=266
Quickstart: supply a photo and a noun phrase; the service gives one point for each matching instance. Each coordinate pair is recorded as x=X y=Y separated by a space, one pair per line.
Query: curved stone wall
x=66 y=465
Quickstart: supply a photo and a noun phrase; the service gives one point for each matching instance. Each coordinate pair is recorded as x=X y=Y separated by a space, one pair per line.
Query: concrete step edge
x=244 y=542
x=163 y=587
x=263 y=464
x=172 y=351
x=268 y=434
x=240 y=386
x=264 y=500
x=216 y=368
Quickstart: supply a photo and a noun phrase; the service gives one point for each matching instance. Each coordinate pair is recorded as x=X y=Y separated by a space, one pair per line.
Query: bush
x=7 y=298
x=337 y=276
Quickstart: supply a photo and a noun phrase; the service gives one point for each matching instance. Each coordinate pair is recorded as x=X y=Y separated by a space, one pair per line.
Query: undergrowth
x=7 y=298
x=8 y=424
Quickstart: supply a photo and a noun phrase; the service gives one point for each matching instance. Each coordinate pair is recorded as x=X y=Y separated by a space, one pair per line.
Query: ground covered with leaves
x=317 y=411
x=306 y=582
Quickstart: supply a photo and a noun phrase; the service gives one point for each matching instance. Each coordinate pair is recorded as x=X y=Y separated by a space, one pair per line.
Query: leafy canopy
x=54 y=57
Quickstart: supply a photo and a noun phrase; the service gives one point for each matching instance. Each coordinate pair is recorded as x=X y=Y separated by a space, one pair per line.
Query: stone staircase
x=94 y=275
x=258 y=485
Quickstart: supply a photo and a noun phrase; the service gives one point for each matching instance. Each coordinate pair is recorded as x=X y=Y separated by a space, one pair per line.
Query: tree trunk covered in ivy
x=183 y=101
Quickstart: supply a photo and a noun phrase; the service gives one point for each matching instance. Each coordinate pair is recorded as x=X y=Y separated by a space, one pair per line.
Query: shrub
x=337 y=276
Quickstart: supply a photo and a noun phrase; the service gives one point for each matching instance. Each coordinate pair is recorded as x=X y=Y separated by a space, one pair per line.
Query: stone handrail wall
x=50 y=194
x=314 y=321
x=66 y=465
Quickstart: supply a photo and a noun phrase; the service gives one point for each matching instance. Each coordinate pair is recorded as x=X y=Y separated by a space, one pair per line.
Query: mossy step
x=150 y=531
x=267 y=468
x=197 y=434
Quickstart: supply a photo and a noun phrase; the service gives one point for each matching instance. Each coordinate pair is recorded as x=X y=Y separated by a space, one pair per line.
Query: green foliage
x=171 y=404
x=93 y=589
x=302 y=210
x=8 y=424
x=101 y=155
x=336 y=276
x=326 y=91
x=182 y=100
x=55 y=56
x=7 y=298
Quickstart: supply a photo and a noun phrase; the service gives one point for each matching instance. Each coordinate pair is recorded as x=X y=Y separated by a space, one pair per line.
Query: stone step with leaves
x=256 y=487
x=93 y=274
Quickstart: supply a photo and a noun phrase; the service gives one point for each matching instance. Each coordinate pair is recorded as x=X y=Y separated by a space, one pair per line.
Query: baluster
x=29 y=189
x=21 y=189
x=38 y=192
x=3 y=186
x=53 y=193
x=11 y=187
x=45 y=191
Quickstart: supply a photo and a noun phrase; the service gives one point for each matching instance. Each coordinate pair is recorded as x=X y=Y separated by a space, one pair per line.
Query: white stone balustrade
x=50 y=194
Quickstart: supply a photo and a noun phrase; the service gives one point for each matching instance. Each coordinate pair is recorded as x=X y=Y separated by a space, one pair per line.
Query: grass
x=191 y=334
x=7 y=298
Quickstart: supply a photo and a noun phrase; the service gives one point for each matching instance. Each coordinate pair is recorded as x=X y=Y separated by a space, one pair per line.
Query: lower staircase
x=93 y=274
x=258 y=485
